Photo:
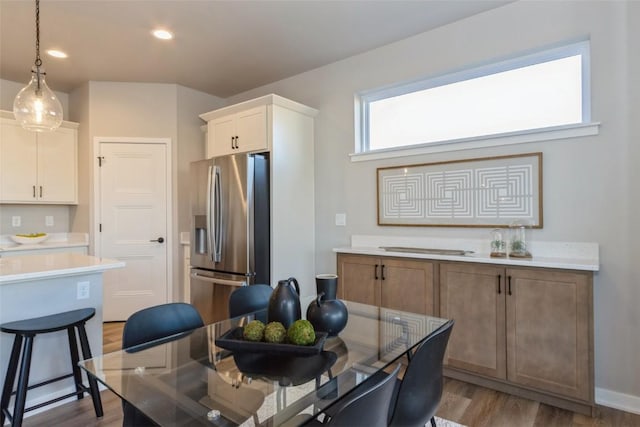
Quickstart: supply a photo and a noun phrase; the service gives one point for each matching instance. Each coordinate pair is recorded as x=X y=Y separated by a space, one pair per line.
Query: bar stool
x=26 y=330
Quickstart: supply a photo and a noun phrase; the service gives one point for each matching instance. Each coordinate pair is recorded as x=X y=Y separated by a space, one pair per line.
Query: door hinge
x=100 y=160
x=100 y=228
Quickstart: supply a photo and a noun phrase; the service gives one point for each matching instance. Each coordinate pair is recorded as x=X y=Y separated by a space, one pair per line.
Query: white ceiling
x=220 y=47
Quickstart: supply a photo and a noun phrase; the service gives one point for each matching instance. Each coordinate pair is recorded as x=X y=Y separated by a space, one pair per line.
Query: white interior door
x=133 y=222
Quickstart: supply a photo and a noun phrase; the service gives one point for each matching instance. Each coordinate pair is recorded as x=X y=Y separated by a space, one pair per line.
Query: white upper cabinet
x=242 y=132
x=38 y=168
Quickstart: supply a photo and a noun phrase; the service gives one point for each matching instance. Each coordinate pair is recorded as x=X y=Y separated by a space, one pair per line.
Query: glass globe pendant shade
x=36 y=107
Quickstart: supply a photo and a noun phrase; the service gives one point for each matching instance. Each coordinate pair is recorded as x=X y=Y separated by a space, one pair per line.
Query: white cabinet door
x=238 y=133
x=221 y=136
x=57 y=159
x=37 y=168
x=251 y=130
x=18 y=163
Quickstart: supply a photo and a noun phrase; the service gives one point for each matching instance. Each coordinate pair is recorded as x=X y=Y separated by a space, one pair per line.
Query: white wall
x=151 y=110
x=590 y=184
x=190 y=147
x=115 y=109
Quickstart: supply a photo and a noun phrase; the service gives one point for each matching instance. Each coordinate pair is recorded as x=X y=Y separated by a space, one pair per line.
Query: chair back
x=247 y=299
x=160 y=321
x=369 y=408
x=418 y=396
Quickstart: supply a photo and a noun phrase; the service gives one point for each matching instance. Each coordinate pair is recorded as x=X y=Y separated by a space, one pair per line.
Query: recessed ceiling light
x=163 y=34
x=56 y=53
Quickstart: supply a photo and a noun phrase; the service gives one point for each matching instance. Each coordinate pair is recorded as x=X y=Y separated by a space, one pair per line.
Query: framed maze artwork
x=481 y=192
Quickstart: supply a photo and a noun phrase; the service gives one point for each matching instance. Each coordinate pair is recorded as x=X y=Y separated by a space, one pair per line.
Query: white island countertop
x=46 y=266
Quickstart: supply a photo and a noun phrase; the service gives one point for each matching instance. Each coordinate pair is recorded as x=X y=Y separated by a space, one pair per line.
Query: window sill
x=537 y=135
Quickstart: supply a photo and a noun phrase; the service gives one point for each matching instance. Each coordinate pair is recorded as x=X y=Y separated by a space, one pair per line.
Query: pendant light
x=36 y=107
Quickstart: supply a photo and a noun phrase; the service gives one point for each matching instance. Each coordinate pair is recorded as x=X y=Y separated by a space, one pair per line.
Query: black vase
x=328 y=316
x=327 y=284
x=284 y=303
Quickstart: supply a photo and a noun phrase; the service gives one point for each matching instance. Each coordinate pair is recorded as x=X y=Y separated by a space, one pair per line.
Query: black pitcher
x=284 y=303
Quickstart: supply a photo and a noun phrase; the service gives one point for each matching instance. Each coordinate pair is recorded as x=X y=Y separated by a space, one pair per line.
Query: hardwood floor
x=464 y=403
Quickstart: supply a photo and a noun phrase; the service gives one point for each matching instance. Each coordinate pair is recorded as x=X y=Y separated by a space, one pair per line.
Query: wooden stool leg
x=93 y=384
x=23 y=382
x=10 y=377
x=73 y=348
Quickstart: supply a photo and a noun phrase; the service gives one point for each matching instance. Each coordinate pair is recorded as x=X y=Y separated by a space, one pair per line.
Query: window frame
x=585 y=127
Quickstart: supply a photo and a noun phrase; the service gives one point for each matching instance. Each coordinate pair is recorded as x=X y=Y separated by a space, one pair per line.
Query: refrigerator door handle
x=217 y=209
x=217 y=281
x=210 y=232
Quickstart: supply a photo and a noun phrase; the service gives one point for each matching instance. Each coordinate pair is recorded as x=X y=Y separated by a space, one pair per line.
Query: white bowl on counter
x=26 y=240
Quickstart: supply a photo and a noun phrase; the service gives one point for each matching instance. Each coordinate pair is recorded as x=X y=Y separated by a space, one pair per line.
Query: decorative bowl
x=29 y=239
x=233 y=340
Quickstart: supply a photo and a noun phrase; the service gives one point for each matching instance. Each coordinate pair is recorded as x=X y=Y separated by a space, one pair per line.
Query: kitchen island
x=40 y=285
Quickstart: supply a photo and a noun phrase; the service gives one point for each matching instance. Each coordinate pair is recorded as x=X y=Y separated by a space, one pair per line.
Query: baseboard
x=617 y=400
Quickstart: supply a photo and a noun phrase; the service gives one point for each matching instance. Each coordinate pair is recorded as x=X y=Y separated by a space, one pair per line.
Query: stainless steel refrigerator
x=229 y=229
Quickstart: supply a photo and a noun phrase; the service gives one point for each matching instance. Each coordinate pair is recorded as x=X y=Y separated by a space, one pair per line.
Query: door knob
x=159 y=240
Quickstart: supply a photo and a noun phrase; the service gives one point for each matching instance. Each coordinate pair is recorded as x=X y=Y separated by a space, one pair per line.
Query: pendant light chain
x=36 y=107
x=38 y=60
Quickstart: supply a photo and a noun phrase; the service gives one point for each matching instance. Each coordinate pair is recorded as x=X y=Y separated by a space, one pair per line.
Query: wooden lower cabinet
x=525 y=327
x=395 y=283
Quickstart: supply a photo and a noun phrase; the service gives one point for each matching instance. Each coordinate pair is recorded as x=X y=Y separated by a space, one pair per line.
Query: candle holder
x=498 y=243
x=519 y=240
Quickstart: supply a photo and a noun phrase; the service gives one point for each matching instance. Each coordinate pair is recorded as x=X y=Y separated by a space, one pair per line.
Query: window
x=536 y=92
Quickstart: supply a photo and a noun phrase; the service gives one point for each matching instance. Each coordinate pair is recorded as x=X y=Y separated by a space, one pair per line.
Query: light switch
x=16 y=221
x=48 y=221
x=341 y=219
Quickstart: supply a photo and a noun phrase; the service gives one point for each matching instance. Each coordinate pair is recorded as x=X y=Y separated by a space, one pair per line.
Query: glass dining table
x=188 y=379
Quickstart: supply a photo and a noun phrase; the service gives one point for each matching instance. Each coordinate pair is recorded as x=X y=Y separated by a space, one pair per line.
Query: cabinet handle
x=236 y=142
x=34 y=191
x=41 y=191
x=382 y=269
x=509 y=280
x=499 y=281
x=233 y=138
x=375 y=272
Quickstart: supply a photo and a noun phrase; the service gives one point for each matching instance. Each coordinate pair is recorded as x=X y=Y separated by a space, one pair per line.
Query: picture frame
x=479 y=192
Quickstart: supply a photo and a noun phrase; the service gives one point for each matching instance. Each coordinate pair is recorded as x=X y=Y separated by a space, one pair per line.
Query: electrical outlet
x=83 y=290
x=48 y=221
x=16 y=221
x=341 y=219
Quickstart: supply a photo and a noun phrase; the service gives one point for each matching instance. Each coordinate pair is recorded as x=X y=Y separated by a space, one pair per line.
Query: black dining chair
x=417 y=396
x=247 y=299
x=153 y=324
x=369 y=407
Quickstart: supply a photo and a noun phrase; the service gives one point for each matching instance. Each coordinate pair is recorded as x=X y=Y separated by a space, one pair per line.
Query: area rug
x=441 y=422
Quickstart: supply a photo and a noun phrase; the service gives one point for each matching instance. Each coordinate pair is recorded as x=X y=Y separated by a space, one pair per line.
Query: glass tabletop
x=188 y=380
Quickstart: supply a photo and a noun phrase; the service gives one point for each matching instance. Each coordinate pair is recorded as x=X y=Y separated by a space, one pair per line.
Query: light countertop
x=561 y=255
x=55 y=240
x=32 y=267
